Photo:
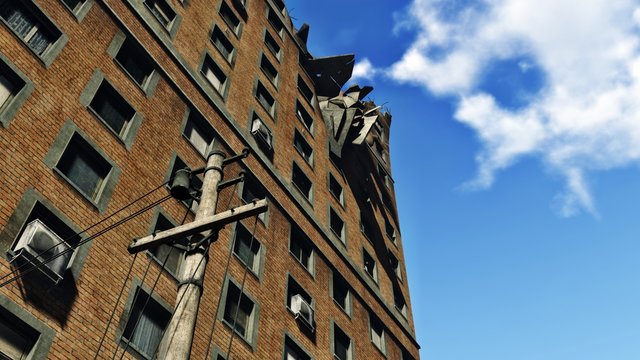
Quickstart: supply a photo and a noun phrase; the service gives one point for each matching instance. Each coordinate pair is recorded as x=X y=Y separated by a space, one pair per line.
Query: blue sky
x=515 y=149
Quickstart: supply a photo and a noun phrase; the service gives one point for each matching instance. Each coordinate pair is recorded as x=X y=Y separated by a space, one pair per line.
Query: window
x=159 y=253
x=370 y=266
x=74 y=5
x=293 y=289
x=247 y=248
x=162 y=12
x=304 y=116
x=384 y=176
x=17 y=338
x=300 y=303
x=262 y=134
x=280 y=6
x=14 y=90
x=239 y=312
x=301 y=247
x=222 y=43
x=292 y=351
x=84 y=167
x=9 y=85
x=135 y=62
x=112 y=109
x=342 y=347
x=395 y=265
x=336 y=224
x=265 y=99
x=272 y=45
x=305 y=90
x=194 y=186
x=366 y=226
x=406 y=355
x=399 y=301
x=341 y=292
x=269 y=70
x=253 y=190
x=302 y=182
x=336 y=189
x=146 y=323
x=30 y=25
x=377 y=333
x=275 y=21
x=378 y=149
x=303 y=147
x=230 y=18
x=199 y=132
x=79 y=8
x=214 y=74
x=390 y=230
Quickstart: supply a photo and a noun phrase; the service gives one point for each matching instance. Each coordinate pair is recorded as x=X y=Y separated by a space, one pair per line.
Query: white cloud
x=585 y=119
x=363 y=69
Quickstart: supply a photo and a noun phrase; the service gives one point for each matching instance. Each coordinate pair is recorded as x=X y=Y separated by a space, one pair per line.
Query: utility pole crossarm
x=216 y=221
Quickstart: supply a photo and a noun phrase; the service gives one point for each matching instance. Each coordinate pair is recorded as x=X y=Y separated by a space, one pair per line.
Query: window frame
x=300 y=109
x=350 y=350
x=231 y=56
x=269 y=45
x=297 y=135
x=338 y=198
x=158 y=213
x=276 y=18
x=42 y=345
x=14 y=102
x=343 y=235
x=272 y=108
x=236 y=30
x=300 y=173
x=252 y=334
x=373 y=320
x=336 y=280
x=257 y=268
x=117 y=44
x=200 y=122
x=251 y=180
x=80 y=11
x=374 y=275
x=293 y=344
x=224 y=91
x=262 y=60
x=297 y=235
x=171 y=28
x=303 y=87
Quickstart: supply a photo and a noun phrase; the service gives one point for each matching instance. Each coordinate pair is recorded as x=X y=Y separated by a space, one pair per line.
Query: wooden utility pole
x=178 y=338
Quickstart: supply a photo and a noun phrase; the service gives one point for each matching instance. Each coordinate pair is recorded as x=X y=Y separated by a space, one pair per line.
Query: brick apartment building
x=101 y=101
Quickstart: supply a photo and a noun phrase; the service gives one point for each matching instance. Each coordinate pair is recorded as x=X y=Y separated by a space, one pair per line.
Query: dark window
x=301 y=247
x=293 y=352
x=275 y=21
x=112 y=109
x=214 y=74
x=302 y=182
x=280 y=5
x=265 y=99
x=304 y=116
x=341 y=344
x=222 y=43
x=336 y=189
x=370 y=266
x=146 y=324
x=269 y=70
x=272 y=44
x=377 y=333
x=74 y=5
x=28 y=23
x=303 y=147
x=239 y=311
x=253 y=190
x=390 y=230
x=171 y=256
x=10 y=84
x=162 y=12
x=366 y=226
x=229 y=17
x=17 y=338
x=305 y=90
x=84 y=167
x=336 y=224
x=199 y=132
x=262 y=133
x=247 y=248
x=135 y=62
x=293 y=289
x=384 y=176
x=395 y=265
x=399 y=302
x=341 y=292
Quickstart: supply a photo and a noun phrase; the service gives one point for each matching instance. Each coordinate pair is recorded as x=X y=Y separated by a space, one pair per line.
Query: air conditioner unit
x=303 y=310
x=259 y=130
x=37 y=245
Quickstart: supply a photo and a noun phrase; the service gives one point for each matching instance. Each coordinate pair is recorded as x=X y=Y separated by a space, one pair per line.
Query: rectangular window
x=222 y=43
x=10 y=84
x=230 y=18
x=342 y=348
x=370 y=266
x=253 y=190
x=73 y=4
x=280 y=6
x=303 y=147
x=199 y=132
x=275 y=21
x=294 y=352
x=269 y=70
x=395 y=265
x=272 y=45
x=84 y=167
x=146 y=323
x=171 y=256
x=336 y=224
x=135 y=62
x=302 y=182
x=265 y=99
x=112 y=109
x=239 y=311
x=377 y=333
x=194 y=186
x=390 y=230
x=305 y=90
x=17 y=338
x=162 y=12
x=399 y=301
x=247 y=248
x=304 y=116
x=300 y=303
x=341 y=292
x=336 y=189
x=301 y=247
x=214 y=74
x=262 y=134
x=29 y=24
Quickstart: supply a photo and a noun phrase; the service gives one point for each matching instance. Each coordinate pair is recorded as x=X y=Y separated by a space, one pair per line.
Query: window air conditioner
x=303 y=310
x=261 y=132
x=37 y=244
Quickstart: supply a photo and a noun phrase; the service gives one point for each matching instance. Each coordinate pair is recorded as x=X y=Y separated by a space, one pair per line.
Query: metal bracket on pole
x=245 y=152
x=216 y=221
x=233 y=181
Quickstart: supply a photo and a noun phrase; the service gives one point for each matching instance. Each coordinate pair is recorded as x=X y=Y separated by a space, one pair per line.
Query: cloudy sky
x=515 y=147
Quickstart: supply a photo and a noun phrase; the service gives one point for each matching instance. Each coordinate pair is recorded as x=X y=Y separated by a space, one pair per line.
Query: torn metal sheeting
x=330 y=73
